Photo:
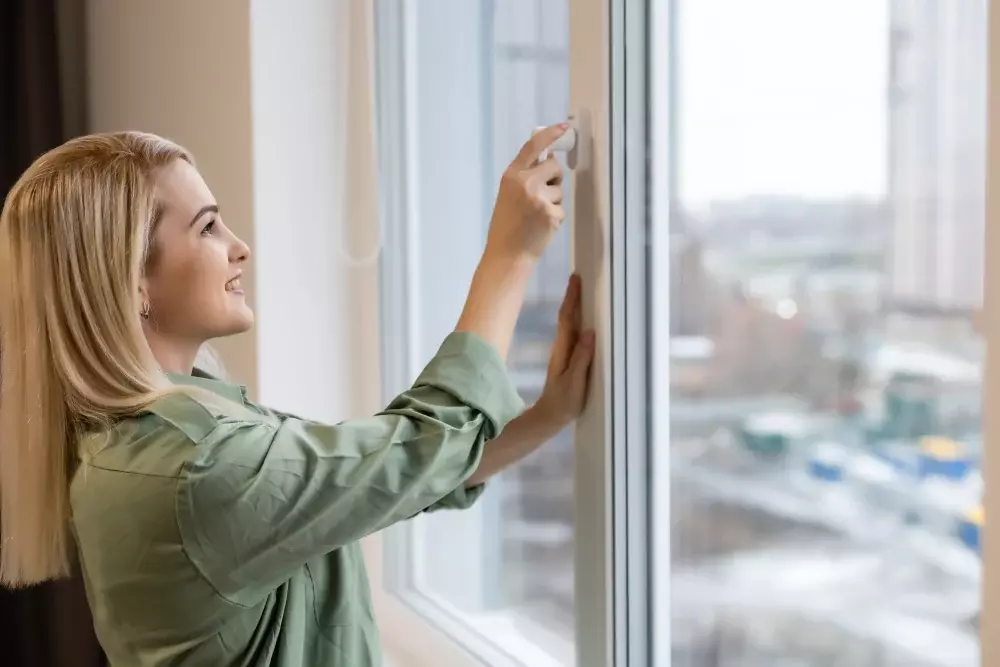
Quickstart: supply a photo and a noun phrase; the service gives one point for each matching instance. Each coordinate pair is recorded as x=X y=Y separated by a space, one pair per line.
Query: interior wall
x=181 y=69
x=277 y=107
x=315 y=205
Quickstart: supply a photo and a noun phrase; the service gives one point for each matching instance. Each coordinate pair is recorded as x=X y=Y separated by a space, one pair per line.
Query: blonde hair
x=74 y=239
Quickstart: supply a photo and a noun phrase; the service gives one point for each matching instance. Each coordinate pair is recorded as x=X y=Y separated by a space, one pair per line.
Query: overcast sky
x=782 y=97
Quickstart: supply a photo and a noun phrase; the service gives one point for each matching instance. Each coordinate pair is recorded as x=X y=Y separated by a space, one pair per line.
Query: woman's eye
x=207 y=229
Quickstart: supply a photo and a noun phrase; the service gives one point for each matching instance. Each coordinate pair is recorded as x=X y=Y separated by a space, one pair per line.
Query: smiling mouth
x=234 y=286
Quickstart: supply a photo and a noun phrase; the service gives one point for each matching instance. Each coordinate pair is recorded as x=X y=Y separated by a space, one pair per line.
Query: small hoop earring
x=144 y=313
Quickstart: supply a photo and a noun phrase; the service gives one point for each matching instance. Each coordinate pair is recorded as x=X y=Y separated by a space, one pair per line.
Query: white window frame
x=623 y=603
x=416 y=630
x=662 y=180
x=990 y=641
x=606 y=616
x=609 y=90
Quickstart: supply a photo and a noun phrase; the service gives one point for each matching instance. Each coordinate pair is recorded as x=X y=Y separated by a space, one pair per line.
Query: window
x=825 y=254
x=781 y=230
x=478 y=77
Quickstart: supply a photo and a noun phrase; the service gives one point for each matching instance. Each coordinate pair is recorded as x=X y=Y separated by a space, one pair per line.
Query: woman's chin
x=247 y=319
x=241 y=321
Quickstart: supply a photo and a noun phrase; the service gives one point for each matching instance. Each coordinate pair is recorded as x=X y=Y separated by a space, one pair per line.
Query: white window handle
x=568 y=143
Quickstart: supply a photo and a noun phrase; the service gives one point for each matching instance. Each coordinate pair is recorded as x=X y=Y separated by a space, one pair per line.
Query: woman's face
x=192 y=278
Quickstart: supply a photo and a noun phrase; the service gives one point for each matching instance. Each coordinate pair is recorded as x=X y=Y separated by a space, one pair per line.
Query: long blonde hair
x=74 y=238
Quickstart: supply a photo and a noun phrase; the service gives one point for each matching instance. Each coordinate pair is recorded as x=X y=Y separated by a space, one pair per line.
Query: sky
x=782 y=97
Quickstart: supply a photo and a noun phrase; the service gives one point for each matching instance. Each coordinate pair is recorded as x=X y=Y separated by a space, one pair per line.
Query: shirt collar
x=199 y=378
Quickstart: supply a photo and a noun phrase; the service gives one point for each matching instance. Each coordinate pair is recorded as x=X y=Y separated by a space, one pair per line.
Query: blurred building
x=937 y=133
x=691 y=296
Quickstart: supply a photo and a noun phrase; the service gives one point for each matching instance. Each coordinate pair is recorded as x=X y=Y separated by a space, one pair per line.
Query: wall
x=275 y=106
x=181 y=69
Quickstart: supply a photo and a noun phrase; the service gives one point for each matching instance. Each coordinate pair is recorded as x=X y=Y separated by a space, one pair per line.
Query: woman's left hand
x=562 y=399
x=568 y=377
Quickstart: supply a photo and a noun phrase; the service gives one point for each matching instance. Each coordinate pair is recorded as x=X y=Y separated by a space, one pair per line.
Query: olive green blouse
x=214 y=532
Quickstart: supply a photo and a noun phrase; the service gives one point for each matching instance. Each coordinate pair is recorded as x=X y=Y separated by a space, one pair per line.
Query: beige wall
x=181 y=68
x=276 y=106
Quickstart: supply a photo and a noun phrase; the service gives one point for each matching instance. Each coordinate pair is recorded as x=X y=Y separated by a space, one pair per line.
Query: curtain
x=47 y=625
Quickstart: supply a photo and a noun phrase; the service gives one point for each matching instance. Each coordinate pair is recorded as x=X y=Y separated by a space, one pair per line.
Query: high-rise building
x=937 y=163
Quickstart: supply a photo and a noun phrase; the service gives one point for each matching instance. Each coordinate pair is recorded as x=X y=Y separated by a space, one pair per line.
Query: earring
x=144 y=313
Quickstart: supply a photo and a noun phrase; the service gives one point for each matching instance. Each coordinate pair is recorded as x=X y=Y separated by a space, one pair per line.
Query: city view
x=825 y=380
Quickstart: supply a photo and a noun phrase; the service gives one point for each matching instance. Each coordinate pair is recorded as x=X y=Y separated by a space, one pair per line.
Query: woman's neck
x=173 y=356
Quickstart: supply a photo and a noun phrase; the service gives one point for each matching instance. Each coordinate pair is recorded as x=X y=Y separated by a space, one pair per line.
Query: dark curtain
x=47 y=625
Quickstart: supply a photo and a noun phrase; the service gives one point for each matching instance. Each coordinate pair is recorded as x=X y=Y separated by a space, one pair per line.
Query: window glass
x=486 y=74
x=825 y=249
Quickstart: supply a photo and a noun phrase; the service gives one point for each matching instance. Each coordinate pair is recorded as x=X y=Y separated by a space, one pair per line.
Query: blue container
x=971 y=535
x=957 y=468
x=970 y=529
x=826 y=471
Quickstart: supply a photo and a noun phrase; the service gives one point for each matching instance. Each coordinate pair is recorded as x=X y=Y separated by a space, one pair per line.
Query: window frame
x=623 y=602
x=633 y=283
x=662 y=186
x=596 y=567
x=610 y=556
x=989 y=642
x=410 y=638
x=612 y=253
x=417 y=629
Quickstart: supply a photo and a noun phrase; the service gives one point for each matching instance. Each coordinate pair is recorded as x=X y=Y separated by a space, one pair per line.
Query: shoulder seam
x=162 y=410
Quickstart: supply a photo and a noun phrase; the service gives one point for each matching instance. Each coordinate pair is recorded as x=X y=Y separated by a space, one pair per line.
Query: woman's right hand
x=528 y=207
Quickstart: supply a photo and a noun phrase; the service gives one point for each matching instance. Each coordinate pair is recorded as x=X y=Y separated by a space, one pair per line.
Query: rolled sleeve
x=261 y=498
x=472 y=370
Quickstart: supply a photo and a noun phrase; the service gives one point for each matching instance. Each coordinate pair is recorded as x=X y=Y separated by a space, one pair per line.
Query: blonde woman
x=210 y=530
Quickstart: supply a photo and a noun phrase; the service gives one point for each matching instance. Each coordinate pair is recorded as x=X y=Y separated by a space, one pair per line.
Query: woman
x=210 y=530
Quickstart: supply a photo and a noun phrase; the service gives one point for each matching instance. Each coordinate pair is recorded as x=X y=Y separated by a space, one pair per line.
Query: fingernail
x=563 y=126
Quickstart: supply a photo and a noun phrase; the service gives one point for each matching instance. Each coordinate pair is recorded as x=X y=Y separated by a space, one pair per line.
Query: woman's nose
x=240 y=251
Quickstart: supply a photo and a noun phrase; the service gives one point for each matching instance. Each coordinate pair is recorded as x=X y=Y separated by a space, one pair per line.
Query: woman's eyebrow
x=211 y=208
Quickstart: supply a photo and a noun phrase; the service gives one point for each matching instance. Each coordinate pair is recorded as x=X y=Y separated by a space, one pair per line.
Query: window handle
x=569 y=143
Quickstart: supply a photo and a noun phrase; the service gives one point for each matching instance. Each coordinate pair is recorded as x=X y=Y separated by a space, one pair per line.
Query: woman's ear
x=144 y=304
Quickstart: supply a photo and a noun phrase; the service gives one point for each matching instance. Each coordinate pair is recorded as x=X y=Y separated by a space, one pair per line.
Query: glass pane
x=826 y=266
x=487 y=74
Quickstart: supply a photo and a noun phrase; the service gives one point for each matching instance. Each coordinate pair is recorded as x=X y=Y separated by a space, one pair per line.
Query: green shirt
x=214 y=532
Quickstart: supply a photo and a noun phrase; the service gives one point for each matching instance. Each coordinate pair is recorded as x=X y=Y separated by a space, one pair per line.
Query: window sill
x=498 y=639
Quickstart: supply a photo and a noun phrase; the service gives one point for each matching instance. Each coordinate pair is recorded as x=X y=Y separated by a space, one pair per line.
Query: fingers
x=562 y=352
x=553 y=193
x=579 y=366
x=543 y=184
x=533 y=148
x=567 y=333
x=569 y=311
x=555 y=213
x=549 y=171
